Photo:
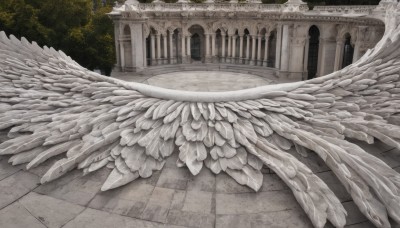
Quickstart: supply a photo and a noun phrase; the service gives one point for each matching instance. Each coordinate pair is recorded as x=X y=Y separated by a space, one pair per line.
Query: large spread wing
x=51 y=106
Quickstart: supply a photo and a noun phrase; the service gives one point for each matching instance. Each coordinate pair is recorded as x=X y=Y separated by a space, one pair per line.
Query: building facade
x=291 y=39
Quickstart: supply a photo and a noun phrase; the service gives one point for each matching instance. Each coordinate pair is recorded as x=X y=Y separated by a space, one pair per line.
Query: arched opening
x=151 y=49
x=197 y=47
x=272 y=49
x=348 y=52
x=218 y=40
x=175 y=46
x=313 y=49
x=247 y=46
x=127 y=46
x=261 y=54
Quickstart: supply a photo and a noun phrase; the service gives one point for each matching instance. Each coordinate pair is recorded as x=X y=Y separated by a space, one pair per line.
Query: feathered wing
x=50 y=106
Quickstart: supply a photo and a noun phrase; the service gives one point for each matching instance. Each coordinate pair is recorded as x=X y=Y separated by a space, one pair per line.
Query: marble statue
x=52 y=106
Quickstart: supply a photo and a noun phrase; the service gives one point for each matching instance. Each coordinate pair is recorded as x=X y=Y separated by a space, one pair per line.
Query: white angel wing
x=50 y=106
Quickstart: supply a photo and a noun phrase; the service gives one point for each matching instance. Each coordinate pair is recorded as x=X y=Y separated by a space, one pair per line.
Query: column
x=306 y=50
x=259 y=51
x=153 y=49
x=188 y=54
x=241 y=46
x=328 y=55
x=338 y=54
x=278 y=47
x=165 y=49
x=207 y=48
x=253 y=50
x=138 y=44
x=158 y=48
x=296 y=64
x=213 y=40
x=266 y=50
x=117 y=44
x=229 y=47
x=223 y=48
x=122 y=51
x=234 y=48
x=357 y=46
x=183 y=46
x=248 y=49
x=171 y=47
x=285 y=49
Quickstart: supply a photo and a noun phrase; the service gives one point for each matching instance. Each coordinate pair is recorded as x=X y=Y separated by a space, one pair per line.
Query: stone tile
x=312 y=161
x=335 y=185
x=114 y=205
x=15 y=216
x=178 y=200
x=204 y=181
x=91 y=218
x=50 y=211
x=162 y=197
x=245 y=203
x=190 y=219
x=354 y=214
x=76 y=188
x=226 y=184
x=197 y=201
x=7 y=169
x=176 y=178
x=155 y=213
x=16 y=186
x=273 y=182
x=158 y=205
x=366 y=224
x=130 y=199
x=281 y=219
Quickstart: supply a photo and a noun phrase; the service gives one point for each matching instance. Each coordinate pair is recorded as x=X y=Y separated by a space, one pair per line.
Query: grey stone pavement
x=172 y=197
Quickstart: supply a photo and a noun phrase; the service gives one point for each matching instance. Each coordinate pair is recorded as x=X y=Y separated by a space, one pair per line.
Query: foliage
x=80 y=28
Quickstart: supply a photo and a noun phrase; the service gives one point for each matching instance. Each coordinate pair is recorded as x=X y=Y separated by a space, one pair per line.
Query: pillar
x=183 y=48
x=241 y=46
x=229 y=47
x=188 y=54
x=208 y=57
x=223 y=47
x=253 y=49
x=234 y=48
x=248 y=49
x=122 y=51
x=138 y=44
x=153 y=49
x=213 y=40
x=165 y=61
x=158 y=39
x=117 y=44
x=339 y=54
x=171 y=47
x=285 y=49
x=266 y=50
x=296 y=62
x=278 y=47
x=259 y=62
x=356 y=55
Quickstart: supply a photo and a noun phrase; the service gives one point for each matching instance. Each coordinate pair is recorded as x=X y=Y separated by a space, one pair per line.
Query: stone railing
x=367 y=9
x=208 y=7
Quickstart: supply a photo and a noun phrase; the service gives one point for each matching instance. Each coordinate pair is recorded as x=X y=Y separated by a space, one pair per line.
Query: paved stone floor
x=202 y=80
x=172 y=197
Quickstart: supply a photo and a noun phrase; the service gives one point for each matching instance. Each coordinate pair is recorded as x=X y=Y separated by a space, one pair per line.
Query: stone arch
x=202 y=24
x=348 y=51
x=126 y=48
x=197 y=42
x=313 y=51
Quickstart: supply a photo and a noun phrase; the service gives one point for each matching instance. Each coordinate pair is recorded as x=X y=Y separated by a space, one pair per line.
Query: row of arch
x=238 y=46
